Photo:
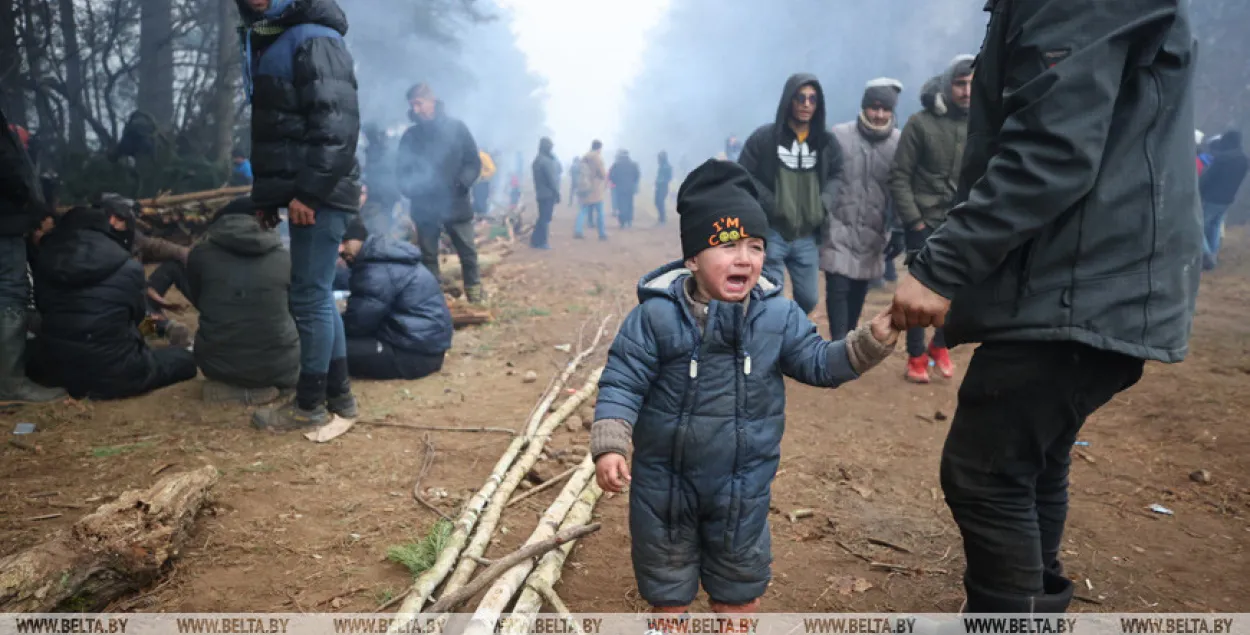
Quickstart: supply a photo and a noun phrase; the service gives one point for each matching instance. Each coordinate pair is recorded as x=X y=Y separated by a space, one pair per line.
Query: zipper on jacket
x=740 y=388
x=683 y=418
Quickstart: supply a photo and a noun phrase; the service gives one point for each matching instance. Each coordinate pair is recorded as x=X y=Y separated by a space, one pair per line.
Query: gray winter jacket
x=857 y=228
x=1080 y=221
x=240 y=278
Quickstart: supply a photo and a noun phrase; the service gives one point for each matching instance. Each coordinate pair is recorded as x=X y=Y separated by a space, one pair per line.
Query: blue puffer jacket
x=708 y=412
x=396 y=300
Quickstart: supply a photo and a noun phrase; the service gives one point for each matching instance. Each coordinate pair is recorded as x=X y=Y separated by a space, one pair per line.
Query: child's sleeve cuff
x=864 y=350
x=610 y=435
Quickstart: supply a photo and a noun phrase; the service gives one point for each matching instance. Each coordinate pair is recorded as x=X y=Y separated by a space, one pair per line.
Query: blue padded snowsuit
x=707 y=414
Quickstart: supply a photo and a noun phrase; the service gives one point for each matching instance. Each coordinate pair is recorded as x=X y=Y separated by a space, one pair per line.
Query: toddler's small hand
x=883 y=329
x=612 y=472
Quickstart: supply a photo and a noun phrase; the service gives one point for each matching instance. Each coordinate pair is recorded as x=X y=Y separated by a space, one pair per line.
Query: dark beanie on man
x=718 y=203
x=356 y=231
x=882 y=92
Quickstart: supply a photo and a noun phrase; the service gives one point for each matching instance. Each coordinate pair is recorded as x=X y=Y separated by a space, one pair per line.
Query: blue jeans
x=595 y=209
x=14 y=285
x=1212 y=224
x=314 y=252
x=801 y=257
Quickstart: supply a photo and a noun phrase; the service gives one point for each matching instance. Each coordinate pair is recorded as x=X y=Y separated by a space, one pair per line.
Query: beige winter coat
x=594 y=172
x=857 y=228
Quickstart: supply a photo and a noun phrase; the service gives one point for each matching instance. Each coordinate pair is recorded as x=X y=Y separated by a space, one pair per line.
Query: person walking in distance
x=624 y=175
x=591 y=182
x=663 y=177
x=1218 y=186
x=922 y=185
x=1073 y=258
x=858 y=227
x=796 y=162
x=305 y=124
x=436 y=166
x=546 y=171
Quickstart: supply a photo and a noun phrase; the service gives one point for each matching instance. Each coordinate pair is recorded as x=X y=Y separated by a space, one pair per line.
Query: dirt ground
x=297 y=526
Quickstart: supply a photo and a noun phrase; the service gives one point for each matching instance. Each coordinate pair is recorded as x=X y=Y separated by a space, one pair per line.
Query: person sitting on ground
x=397 y=322
x=710 y=342
x=90 y=294
x=147 y=249
x=240 y=279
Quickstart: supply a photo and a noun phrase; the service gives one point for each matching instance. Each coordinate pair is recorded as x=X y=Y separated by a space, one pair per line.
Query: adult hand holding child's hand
x=883 y=328
x=612 y=472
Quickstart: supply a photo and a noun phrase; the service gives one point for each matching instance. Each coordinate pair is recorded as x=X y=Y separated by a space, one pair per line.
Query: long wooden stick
x=536 y=417
x=549 y=569
x=559 y=607
x=490 y=518
x=502 y=591
x=207 y=195
x=450 y=601
x=410 y=426
x=548 y=484
x=425 y=584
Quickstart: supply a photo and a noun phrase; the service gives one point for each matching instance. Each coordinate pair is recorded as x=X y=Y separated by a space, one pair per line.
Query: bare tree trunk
x=73 y=79
x=37 y=31
x=11 y=98
x=156 y=60
x=223 y=91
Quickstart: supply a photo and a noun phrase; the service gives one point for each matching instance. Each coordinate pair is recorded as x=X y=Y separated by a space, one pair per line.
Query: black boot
x=306 y=411
x=1056 y=596
x=339 y=398
x=14 y=386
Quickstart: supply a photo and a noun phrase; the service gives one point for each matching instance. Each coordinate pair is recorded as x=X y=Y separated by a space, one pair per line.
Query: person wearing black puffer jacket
x=305 y=124
x=90 y=293
x=436 y=165
x=398 y=324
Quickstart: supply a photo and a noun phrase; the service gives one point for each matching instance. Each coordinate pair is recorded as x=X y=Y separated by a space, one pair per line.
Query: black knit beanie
x=718 y=203
x=356 y=231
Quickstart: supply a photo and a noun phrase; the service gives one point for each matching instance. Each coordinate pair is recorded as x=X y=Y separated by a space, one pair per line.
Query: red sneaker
x=942 y=359
x=917 y=370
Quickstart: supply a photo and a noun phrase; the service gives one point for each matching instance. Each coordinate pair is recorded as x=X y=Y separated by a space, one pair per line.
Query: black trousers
x=661 y=198
x=461 y=234
x=171 y=273
x=844 y=302
x=1006 y=458
x=368 y=358
x=542 y=228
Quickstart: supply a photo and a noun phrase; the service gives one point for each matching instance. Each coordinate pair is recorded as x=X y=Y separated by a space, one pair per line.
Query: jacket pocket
x=735 y=511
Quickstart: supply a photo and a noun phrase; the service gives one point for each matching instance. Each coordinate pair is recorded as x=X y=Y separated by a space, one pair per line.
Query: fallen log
x=120 y=548
x=550 y=568
x=500 y=594
x=463 y=315
x=490 y=518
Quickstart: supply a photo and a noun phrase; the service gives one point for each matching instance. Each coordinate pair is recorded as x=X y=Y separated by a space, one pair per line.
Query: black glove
x=914 y=239
x=895 y=245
